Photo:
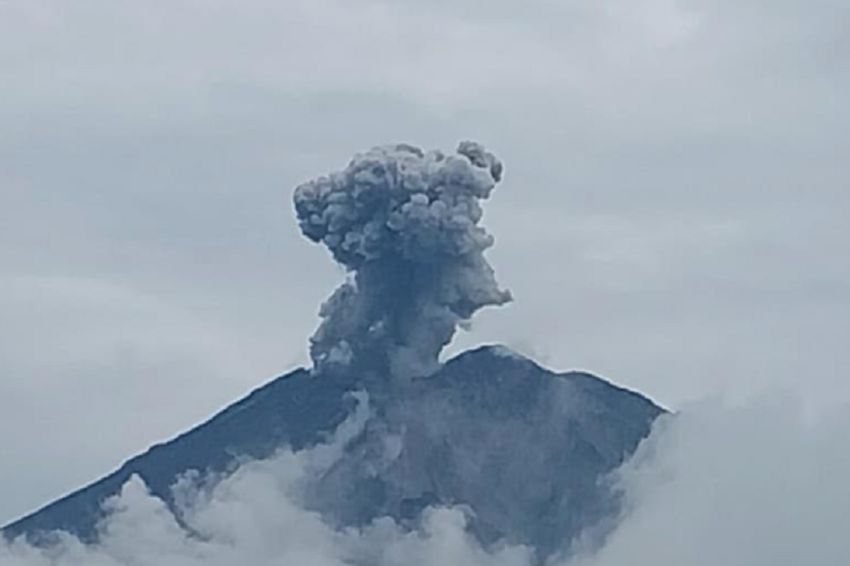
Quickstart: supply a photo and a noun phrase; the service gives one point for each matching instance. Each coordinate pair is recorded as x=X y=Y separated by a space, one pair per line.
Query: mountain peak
x=492 y=430
x=499 y=351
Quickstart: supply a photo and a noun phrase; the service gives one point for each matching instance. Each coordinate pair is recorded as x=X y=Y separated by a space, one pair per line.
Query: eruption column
x=404 y=223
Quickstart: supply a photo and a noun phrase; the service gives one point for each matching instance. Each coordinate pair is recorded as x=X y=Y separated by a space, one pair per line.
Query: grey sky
x=672 y=215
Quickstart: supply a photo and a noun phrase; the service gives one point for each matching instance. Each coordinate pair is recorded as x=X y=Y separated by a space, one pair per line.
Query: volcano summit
x=522 y=450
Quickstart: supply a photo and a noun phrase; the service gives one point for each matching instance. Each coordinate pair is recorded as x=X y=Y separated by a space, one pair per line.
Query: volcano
x=525 y=449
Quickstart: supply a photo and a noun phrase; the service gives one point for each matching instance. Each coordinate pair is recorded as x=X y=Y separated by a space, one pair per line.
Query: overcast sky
x=673 y=214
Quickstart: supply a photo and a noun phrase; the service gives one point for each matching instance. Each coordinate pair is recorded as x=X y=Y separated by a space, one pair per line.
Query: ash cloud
x=405 y=224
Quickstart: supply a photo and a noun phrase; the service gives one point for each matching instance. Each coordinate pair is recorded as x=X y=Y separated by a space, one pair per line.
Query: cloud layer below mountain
x=761 y=484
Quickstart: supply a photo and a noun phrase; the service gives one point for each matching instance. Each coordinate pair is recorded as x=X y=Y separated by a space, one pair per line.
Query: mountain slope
x=521 y=446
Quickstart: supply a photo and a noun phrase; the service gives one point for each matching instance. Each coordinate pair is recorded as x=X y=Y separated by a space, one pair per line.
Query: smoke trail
x=404 y=223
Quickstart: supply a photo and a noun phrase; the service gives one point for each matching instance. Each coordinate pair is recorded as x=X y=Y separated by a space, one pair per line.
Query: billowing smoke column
x=404 y=223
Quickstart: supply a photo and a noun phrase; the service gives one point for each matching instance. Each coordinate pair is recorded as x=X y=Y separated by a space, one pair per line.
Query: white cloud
x=253 y=516
x=759 y=484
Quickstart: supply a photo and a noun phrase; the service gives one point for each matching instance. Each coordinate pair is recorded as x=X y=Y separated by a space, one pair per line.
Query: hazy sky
x=672 y=215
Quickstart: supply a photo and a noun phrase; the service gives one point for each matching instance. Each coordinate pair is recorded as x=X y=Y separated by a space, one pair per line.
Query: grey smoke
x=405 y=224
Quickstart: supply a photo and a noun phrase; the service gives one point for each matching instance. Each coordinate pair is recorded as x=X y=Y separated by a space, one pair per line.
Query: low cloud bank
x=255 y=516
x=759 y=484
x=762 y=484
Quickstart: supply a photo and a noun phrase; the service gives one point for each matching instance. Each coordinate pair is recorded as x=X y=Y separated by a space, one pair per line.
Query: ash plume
x=405 y=224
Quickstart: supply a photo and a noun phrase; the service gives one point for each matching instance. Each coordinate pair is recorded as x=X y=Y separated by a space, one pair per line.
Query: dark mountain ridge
x=523 y=447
